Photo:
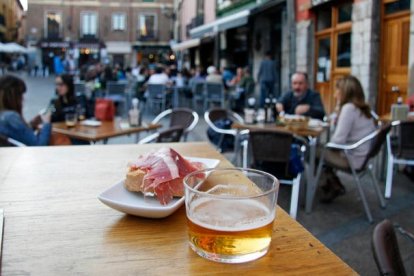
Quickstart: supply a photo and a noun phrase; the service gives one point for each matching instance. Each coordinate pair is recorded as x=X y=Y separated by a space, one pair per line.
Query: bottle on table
x=134 y=113
x=275 y=113
x=249 y=111
x=268 y=110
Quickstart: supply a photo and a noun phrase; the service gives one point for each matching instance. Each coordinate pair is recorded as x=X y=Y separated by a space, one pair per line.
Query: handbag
x=104 y=109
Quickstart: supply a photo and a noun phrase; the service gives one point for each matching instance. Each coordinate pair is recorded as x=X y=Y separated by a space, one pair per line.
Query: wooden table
x=108 y=129
x=312 y=135
x=55 y=225
x=387 y=117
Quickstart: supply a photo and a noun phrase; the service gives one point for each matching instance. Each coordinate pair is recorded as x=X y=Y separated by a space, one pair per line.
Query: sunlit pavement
x=341 y=225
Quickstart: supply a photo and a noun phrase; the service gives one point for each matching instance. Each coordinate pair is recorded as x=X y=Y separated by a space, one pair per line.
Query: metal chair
x=183 y=117
x=214 y=94
x=215 y=114
x=10 y=142
x=116 y=91
x=385 y=250
x=199 y=94
x=157 y=95
x=377 y=139
x=270 y=151
x=171 y=135
x=401 y=153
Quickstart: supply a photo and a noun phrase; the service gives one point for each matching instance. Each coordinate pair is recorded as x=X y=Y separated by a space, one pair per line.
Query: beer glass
x=70 y=119
x=230 y=213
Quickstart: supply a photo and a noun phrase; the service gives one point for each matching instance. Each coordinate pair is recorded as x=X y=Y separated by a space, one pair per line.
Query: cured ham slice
x=164 y=172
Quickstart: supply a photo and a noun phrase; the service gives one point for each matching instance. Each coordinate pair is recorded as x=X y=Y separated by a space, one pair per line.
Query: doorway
x=394 y=53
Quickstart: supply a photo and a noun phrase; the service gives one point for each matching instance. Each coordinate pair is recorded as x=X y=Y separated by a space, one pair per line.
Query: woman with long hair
x=354 y=122
x=12 y=124
x=65 y=101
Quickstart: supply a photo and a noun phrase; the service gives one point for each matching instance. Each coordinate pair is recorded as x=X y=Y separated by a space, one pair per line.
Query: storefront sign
x=319 y=2
x=54 y=44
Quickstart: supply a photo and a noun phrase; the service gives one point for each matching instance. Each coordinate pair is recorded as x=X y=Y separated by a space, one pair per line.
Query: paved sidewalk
x=342 y=225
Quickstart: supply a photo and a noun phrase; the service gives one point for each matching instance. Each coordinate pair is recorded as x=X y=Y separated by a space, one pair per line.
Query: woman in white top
x=354 y=122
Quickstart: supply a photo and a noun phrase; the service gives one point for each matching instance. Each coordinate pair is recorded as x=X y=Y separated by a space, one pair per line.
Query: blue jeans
x=266 y=88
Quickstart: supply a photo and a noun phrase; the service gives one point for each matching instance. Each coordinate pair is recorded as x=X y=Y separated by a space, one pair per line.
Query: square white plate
x=119 y=198
x=92 y=123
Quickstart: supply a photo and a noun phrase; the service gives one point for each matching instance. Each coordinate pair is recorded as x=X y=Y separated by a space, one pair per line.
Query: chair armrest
x=149 y=139
x=354 y=145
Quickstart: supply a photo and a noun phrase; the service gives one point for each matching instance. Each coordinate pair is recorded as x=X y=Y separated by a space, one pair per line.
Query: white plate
x=119 y=198
x=92 y=123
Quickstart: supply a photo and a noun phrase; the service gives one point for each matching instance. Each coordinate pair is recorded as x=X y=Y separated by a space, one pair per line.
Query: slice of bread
x=134 y=180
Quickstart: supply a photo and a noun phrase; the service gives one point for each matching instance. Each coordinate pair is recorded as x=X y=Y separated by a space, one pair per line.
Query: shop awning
x=222 y=24
x=149 y=44
x=118 y=47
x=186 y=44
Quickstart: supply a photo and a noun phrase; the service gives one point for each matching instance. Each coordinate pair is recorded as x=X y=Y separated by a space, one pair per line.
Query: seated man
x=301 y=100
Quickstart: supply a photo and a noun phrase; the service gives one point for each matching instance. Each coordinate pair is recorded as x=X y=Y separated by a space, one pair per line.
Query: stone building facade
x=124 y=32
x=368 y=54
x=11 y=21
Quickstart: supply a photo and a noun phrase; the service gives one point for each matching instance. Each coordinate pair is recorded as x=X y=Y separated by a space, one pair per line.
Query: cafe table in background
x=55 y=225
x=102 y=130
x=311 y=136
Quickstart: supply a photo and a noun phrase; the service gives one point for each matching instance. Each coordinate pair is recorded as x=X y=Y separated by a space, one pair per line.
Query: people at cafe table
x=12 y=123
x=301 y=100
x=66 y=101
x=354 y=122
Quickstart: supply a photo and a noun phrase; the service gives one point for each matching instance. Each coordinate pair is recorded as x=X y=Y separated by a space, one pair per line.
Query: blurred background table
x=108 y=129
x=55 y=225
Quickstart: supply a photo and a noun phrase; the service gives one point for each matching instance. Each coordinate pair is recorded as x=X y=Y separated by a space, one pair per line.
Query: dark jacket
x=61 y=108
x=313 y=99
x=13 y=126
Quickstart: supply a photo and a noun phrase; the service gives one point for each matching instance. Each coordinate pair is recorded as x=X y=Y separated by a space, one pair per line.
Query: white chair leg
x=294 y=199
x=376 y=187
x=390 y=171
x=245 y=154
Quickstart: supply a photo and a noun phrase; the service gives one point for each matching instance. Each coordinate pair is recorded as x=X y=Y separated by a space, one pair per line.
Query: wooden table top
x=108 y=129
x=314 y=132
x=55 y=225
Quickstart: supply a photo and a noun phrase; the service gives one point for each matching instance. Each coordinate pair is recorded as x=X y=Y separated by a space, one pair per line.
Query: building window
x=118 y=21
x=147 y=25
x=89 y=23
x=53 y=24
x=333 y=48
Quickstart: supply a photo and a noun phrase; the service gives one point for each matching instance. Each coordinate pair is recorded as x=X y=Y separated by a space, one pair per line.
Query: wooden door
x=394 y=63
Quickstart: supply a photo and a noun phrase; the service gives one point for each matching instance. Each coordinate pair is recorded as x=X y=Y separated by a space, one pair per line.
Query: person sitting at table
x=159 y=77
x=353 y=123
x=301 y=100
x=237 y=78
x=12 y=124
x=66 y=101
x=213 y=76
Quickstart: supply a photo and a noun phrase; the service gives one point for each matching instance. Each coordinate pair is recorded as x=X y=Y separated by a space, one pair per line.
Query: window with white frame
x=89 y=23
x=53 y=21
x=147 y=25
x=118 y=21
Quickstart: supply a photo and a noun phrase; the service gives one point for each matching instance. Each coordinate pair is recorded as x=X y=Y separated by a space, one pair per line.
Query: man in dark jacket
x=267 y=78
x=301 y=100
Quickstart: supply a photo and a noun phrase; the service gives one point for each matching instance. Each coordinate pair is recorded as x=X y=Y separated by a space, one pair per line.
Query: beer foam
x=230 y=215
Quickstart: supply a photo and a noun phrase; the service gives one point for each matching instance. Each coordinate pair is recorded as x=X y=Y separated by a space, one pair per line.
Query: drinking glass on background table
x=71 y=119
x=230 y=213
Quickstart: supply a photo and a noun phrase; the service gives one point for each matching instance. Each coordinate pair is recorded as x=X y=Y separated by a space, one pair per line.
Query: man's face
x=299 y=84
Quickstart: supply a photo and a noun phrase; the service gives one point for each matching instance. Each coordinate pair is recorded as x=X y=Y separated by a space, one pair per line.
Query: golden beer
x=224 y=228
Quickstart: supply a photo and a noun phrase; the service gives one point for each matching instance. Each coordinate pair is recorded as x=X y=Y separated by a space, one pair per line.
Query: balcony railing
x=148 y=35
x=195 y=22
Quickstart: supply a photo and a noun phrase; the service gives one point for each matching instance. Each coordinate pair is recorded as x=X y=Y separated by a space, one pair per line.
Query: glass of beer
x=230 y=213
x=71 y=119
